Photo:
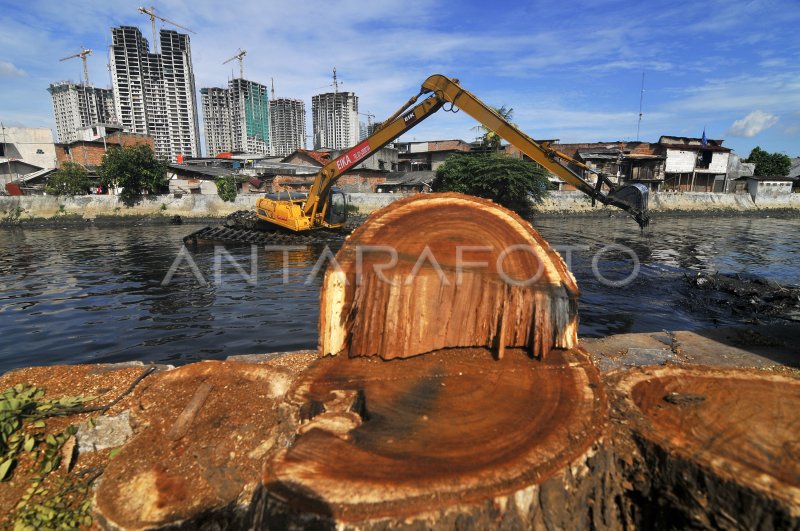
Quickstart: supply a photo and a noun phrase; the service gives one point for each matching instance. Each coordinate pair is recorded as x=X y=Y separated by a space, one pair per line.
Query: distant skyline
x=570 y=70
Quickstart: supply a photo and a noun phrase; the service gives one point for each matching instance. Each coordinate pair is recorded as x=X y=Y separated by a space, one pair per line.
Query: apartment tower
x=335 y=116
x=76 y=105
x=154 y=93
x=236 y=118
x=287 y=126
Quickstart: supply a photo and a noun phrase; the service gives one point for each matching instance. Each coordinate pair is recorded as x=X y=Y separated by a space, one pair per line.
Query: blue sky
x=570 y=70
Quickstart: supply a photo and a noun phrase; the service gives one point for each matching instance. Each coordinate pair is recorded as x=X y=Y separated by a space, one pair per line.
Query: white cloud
x=9 y=70
x=752 y=124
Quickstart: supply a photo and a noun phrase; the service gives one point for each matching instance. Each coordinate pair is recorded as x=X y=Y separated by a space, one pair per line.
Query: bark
x=439 y=271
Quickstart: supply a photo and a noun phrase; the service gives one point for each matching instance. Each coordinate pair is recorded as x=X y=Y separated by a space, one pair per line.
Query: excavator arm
x=632 y=198
x=441 y=90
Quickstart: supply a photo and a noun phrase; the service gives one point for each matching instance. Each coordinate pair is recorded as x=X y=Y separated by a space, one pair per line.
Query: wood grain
x=452 y=428
x=439 y=271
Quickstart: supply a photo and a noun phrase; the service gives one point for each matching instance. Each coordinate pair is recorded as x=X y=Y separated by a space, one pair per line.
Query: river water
x=95 y=294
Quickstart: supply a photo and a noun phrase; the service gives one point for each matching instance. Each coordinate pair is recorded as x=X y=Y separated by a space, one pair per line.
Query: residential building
x=765 y=188
x=236 y=119
x=673 y=163
x=427 y=156
x=363 y=177
x=737 y=169
x=622 y=162
x=287 y=126
x=249 y=116
x=25 y=151
x=78 y=105
x=335 y=117
x=216 y=120
x=154 y=93
x=368 y=129
x=694 y=164
x=89 y=150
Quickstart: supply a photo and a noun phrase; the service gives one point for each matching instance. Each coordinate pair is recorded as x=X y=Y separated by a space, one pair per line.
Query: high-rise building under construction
x=77 y=105
x=154 y=93
x=236 y=118
x=335 y=116
x=287 y=126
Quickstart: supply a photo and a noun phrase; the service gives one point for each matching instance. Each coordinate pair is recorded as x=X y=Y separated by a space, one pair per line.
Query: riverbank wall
x=195 y=206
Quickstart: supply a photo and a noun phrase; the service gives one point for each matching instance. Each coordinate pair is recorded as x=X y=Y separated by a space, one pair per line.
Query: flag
x=704 y=140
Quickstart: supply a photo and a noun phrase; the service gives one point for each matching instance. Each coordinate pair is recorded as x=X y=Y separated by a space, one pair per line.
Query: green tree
x=489 y=138
x=70 y=179
x=506 y=180
x=769 y=164
x=226 y=188
x=135 y=169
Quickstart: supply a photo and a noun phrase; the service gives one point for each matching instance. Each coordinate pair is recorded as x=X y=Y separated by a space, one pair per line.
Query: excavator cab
x=336 y=215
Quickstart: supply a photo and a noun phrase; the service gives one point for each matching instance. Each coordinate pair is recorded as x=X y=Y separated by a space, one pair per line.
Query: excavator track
x=244 y=227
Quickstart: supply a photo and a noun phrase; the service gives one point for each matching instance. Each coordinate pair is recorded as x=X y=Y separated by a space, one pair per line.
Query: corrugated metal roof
x=410 y=178
x=209 y=171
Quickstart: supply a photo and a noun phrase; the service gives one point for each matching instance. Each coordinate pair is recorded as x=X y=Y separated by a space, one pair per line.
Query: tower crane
x=240 y=57
x=152 y=14
x=82 y=54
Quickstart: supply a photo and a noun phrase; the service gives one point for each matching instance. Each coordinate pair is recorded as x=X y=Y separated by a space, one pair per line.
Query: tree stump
x=438 y=415
x=718 y=448
x=438 y=271
x=450 y=438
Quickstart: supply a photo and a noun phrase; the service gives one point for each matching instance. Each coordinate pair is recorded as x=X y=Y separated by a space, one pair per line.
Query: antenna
x=335 y=114
x=82 y=54
x=240 y=57
x=641 y=99
x=152 y=14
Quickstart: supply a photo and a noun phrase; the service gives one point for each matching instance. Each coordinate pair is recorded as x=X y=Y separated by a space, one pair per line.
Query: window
x=704 y=159
x=2 y=150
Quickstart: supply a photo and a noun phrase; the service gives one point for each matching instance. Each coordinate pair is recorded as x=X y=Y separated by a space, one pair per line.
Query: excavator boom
x=310 y=212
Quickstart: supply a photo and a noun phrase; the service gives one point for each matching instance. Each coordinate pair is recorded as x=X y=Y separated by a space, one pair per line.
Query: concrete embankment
x=696 y=203
x=195 y=206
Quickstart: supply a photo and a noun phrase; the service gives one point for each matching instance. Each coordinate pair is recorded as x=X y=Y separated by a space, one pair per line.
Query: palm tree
x=490 y=139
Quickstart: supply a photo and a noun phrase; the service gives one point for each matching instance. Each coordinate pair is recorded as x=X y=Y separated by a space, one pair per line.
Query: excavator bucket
x=633 y=198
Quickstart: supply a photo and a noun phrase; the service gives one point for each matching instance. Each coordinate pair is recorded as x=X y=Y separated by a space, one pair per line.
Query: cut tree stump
x=437 y=414
x=452 y=438
x=718 y=448
x=438 y=271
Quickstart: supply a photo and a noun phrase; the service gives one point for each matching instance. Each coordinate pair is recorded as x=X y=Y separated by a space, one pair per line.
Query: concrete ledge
x=197 y=206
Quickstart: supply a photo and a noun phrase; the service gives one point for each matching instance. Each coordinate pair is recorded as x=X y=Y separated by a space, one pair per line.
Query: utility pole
x=8 y=159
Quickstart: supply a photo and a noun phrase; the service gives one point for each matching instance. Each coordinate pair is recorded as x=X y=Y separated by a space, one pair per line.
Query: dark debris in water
x=753 y=300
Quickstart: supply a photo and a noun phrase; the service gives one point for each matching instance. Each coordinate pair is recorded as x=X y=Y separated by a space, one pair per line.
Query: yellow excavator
x=324 y=208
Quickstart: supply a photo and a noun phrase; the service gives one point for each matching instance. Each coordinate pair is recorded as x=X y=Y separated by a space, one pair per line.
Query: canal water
x=97 y=294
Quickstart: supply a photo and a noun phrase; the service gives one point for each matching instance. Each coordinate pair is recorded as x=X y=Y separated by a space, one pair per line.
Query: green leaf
x=29 y=443
x=5 y=467
x=114 y=452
